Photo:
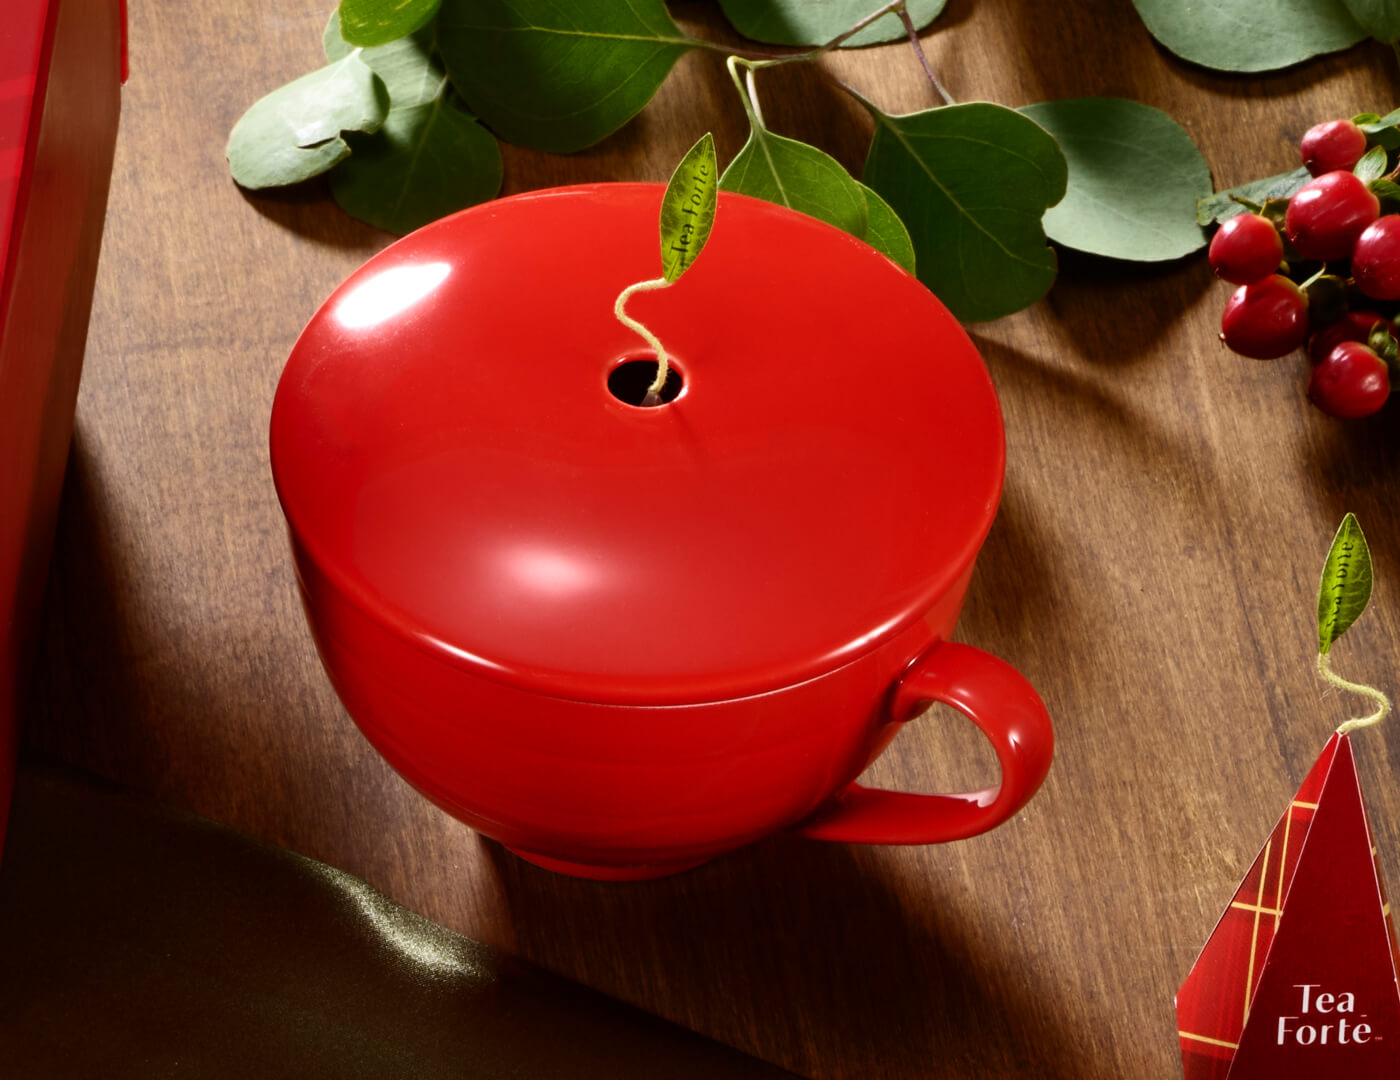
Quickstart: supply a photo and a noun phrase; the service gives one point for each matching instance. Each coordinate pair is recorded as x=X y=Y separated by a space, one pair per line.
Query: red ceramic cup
x=623 y=640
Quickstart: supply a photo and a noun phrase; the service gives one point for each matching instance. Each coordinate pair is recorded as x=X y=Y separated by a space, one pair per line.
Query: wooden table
x=1152 y=571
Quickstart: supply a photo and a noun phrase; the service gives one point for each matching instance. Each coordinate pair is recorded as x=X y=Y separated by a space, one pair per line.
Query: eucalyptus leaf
x=798 y=176
x=558 y=76
x=426 y=162
x=815 y=22
x=1134 y=178
x=367 y=23
x=1372 y=164
x=1345 y=588
x=411 y=72
x=971 y=182
x=1250 y=35
x=885 y=232
x=294 y=132
x=1222 y=206
x=688 y=208
x=1379 y=18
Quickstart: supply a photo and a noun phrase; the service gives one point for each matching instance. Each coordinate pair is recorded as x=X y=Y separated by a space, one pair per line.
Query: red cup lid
x=448 y=451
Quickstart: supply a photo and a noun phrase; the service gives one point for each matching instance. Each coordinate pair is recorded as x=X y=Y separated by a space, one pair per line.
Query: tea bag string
x=662 y=361
x=1324 y=669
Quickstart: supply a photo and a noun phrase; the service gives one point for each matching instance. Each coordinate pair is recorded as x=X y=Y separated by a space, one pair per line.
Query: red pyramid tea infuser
x=1299 y=974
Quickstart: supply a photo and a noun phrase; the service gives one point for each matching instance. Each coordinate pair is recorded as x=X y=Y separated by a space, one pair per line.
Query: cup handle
x=995 y=697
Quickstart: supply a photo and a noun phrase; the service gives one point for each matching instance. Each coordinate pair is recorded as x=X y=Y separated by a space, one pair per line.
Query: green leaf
x=1388 y=190
x=1372 y=164
x=558 y=76
x=1250 y=35
x=1379 y=18
x=885 y=232
x=1134 y=178
x=293 y=133
x=1221 y=206
x=1380 y=130
x=367 y=23
x=411 y=72
x=815 y=22
x=798 y=176
x=688 y=208
x=431 y=158
x=971 y=183
x=426 y=162
x=1383 y=342
x=1345 y=589
x=1327 y=298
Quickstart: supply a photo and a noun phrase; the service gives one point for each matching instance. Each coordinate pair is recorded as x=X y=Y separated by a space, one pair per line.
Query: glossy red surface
x=621 y=640
x=59 y=100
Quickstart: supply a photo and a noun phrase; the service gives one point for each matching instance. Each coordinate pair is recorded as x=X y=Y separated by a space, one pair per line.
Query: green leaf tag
x=1345 y=589
x=1372 y=164
x=688 y=208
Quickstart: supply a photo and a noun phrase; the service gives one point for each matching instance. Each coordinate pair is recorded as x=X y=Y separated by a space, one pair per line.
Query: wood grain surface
x=1152 y=571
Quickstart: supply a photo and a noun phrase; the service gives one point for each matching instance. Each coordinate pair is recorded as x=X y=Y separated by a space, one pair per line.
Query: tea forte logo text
x=1324 y=1019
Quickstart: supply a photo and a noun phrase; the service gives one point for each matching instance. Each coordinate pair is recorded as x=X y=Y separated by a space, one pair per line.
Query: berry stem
x=1321 y=273
x=1324 y=669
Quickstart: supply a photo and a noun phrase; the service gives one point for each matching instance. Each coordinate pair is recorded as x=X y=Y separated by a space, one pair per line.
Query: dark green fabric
x=139 y=942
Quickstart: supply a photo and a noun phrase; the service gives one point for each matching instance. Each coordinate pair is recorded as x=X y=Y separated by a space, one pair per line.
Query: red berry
x=1353 y=326
x=1375 y=261
x=1265 y=320
x=1352 y=382
x=1246 y=249
x=1337 y=144
x=1327 y=215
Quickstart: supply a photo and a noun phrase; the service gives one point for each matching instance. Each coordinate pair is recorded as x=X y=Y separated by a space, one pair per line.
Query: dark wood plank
x=1166 y=512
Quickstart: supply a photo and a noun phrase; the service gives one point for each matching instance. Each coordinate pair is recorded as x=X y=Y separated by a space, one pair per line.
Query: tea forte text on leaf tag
x=688 y=208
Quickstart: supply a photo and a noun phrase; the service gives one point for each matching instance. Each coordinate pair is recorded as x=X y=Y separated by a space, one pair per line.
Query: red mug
x=623 y=640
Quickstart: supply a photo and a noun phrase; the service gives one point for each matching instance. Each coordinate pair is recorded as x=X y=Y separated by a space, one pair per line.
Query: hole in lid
x=630 y=380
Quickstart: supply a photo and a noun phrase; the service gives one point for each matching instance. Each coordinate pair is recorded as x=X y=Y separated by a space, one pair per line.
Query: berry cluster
x=1345 y=256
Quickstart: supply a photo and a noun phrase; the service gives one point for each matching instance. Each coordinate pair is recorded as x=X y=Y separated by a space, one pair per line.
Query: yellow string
x=1324 y=669
x=653 y=394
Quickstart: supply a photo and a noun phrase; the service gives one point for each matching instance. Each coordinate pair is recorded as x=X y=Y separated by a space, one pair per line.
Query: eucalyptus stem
x=913 y=32
x=663 y=364
x=752 y=87
x=898 y=6
x=894 y=6
x=747 y=90
x=1324 y=669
